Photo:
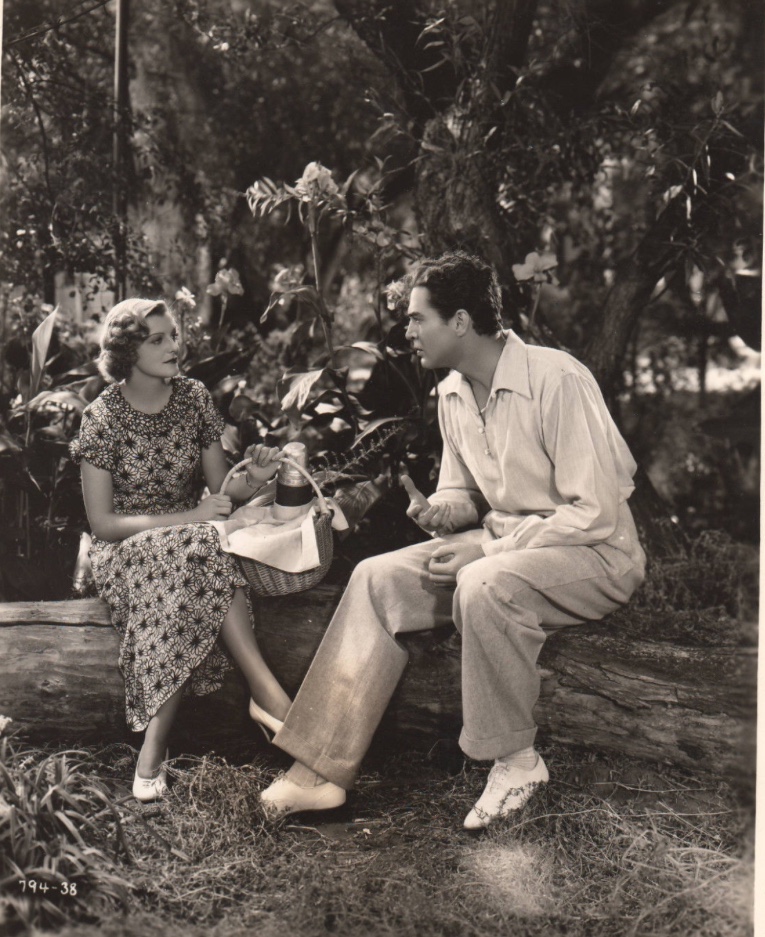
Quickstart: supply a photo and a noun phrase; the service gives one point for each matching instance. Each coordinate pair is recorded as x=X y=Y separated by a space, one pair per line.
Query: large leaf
x=92 y=388
x=40 y=344
x=85 y=370
x=370 y=348
x=230 y=439
x=213 y=369
x=244 y=407
x=57 y=399
x=339 y=377
x=357 y=498
x=295 y=390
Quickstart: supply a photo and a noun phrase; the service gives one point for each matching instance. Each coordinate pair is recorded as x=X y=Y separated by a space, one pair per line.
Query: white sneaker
x=507 y=789
x=284 y=797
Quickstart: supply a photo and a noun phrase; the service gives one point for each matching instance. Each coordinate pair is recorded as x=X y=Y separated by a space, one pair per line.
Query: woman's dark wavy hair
x=458 y=280
x=125 y=329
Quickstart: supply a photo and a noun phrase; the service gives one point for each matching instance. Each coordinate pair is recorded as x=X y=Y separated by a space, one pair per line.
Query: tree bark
x=635 y=281
x=654 y=700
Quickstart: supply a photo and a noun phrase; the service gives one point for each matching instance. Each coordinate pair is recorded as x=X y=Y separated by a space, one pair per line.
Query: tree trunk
x=636 y=279
x=455 y=201
x=692 y=707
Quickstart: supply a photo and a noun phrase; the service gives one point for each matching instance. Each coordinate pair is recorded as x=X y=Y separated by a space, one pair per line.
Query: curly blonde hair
x=125 y=329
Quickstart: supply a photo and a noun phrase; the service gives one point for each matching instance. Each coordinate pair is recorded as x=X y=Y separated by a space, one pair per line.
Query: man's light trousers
x=503 y=605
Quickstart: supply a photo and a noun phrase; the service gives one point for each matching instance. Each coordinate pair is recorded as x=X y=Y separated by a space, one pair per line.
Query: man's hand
x=448 y=559
x=431 y=517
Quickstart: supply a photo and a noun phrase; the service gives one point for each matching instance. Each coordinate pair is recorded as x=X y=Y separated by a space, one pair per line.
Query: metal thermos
x=294 y=493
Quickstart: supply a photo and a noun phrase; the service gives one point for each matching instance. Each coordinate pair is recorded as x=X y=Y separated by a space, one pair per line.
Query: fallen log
x=687 y=706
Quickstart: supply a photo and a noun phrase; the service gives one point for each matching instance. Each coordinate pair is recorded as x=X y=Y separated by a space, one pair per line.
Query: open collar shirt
x=543 y=464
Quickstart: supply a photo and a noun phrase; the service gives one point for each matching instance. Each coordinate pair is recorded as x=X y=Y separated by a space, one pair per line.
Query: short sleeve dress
x=168 y=588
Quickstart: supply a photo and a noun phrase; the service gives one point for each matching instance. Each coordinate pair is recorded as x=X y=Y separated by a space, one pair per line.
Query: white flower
x=316 y=183
x=186 y=298
x=536 y=267
x=226 y=282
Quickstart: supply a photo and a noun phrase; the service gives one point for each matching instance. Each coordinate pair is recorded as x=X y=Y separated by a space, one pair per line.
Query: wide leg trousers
x=504 y=605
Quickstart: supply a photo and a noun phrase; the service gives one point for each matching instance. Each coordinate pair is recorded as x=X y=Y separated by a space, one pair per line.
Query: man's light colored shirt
x=544 y=457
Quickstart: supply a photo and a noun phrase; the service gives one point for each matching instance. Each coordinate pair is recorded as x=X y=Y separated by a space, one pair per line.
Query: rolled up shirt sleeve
x=575 y=429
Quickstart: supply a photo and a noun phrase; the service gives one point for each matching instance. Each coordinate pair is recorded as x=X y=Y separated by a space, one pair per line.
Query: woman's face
x=158 y=353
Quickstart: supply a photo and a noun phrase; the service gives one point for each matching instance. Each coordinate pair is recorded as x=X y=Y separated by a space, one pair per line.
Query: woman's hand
x=263 y=465
x=211 y=508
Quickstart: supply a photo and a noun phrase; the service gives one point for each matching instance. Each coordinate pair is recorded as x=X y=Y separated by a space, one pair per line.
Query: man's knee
x=377 y=568
x=388 y=574
x=486 y=603
x=479 y=582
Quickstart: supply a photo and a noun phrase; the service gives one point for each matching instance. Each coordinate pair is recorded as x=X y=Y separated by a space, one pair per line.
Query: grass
x=610 y=848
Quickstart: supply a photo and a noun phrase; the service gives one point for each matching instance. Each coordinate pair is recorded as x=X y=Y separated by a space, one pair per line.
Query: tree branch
x=392 y=32
x=600 y=31
x=56 y=24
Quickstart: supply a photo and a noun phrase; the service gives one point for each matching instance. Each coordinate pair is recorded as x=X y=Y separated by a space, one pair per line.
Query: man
x=532 y=532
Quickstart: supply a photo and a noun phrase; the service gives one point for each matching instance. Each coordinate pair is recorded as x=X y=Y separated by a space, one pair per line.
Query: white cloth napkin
x=253 y=532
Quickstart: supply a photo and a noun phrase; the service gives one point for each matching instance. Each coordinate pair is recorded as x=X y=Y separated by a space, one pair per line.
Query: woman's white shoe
x=148 y=789
x=267 y=722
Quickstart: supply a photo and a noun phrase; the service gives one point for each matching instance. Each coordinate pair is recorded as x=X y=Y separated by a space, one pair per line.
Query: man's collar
x=512 y=372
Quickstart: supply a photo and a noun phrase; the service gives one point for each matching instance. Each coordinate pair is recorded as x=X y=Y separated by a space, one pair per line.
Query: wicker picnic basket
x=267 y=580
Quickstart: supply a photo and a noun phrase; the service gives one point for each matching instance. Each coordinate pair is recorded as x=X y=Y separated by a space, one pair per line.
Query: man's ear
x=462 y=321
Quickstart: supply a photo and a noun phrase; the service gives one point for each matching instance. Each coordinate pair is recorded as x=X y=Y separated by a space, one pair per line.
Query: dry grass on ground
x=610 y=848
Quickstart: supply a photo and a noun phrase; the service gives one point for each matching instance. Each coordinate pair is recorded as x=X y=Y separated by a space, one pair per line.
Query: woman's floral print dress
x=168 y=588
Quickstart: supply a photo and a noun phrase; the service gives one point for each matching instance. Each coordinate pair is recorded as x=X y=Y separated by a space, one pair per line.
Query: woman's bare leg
x=239 y=638
x=154 y=746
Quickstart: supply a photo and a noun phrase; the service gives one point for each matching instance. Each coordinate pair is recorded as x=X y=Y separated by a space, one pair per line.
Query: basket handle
x=323 y=506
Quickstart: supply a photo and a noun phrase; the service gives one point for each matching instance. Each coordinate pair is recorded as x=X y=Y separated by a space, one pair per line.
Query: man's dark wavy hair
x=458 y=280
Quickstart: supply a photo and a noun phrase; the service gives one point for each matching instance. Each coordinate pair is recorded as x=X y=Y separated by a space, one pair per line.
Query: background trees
x=621 y=138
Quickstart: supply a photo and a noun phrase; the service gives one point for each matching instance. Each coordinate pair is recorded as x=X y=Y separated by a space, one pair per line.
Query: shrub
x=57 y=825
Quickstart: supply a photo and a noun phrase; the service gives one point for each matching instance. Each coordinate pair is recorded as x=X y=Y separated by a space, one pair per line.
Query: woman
x=159 y=566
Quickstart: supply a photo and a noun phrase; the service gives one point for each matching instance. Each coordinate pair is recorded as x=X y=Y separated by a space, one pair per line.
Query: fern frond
x=332 y=468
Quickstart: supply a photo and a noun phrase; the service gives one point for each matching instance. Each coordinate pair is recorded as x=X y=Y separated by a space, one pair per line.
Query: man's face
x=434 y=341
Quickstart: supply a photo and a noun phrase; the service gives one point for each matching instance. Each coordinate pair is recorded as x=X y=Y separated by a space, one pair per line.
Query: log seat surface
x=686 y=706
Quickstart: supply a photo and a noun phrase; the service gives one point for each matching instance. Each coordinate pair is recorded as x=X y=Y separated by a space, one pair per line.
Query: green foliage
x=716 y=574
x=574 y=154
x=61 y=836
x=58 y=118
x=47 y=378
x=320 y=402
x=708 y=598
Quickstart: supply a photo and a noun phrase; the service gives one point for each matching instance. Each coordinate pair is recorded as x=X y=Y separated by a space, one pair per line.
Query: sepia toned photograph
x=380 y=431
